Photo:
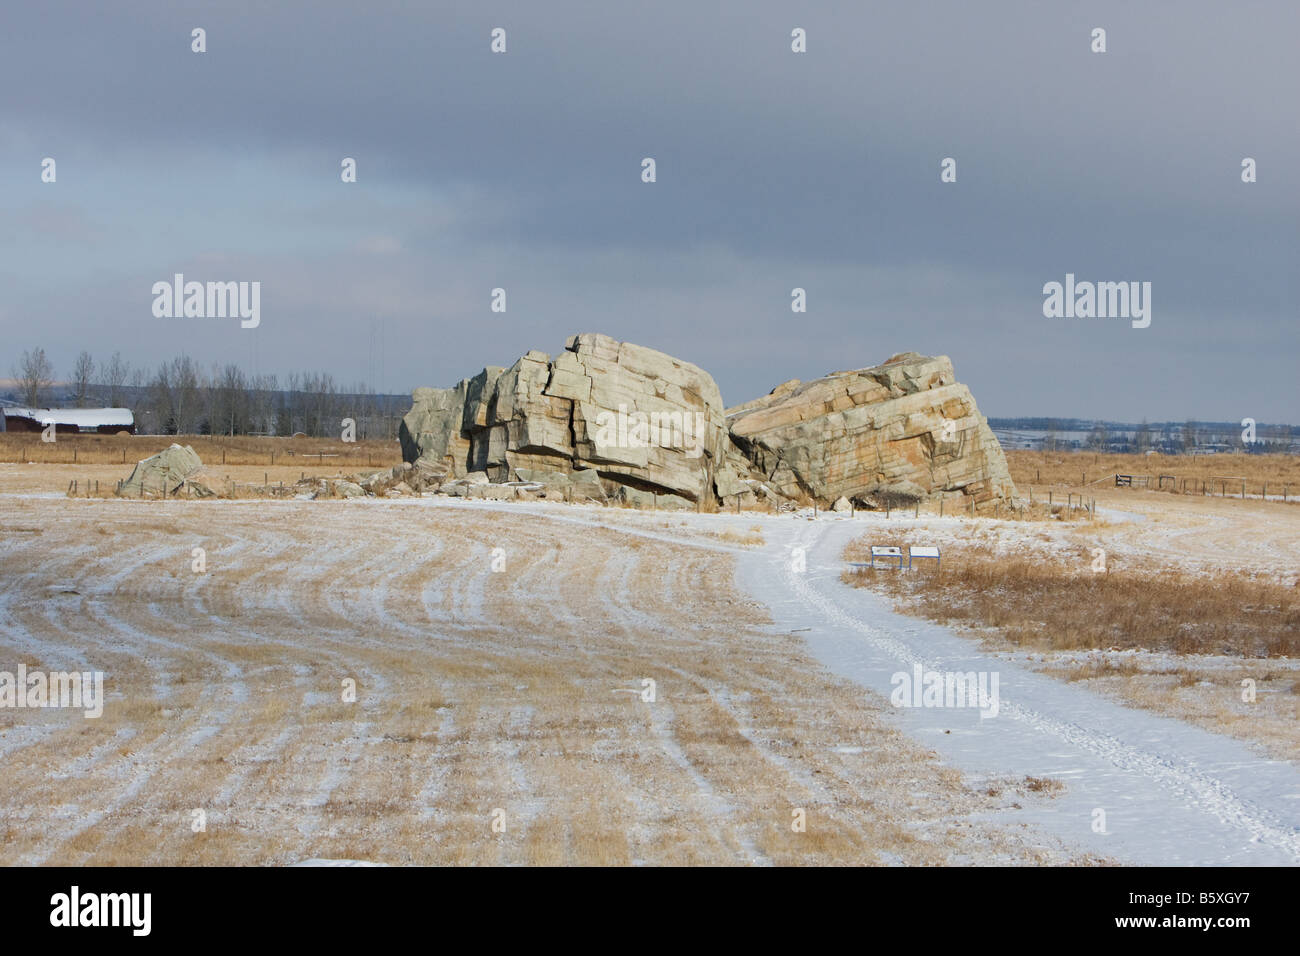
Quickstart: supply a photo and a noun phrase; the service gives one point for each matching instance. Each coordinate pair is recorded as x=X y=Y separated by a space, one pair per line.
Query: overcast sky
x=775 y=170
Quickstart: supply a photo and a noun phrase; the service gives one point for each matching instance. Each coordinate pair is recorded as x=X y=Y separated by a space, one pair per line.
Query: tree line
x=181 y=397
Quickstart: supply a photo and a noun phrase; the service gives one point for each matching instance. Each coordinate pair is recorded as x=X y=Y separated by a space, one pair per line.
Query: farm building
x=101 y=421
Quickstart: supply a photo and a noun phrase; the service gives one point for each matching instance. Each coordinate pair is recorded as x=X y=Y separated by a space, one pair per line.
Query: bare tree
x=113 y=376
x=325 y=414
x=161 y=400
x=175 y=396
x=186 y=384
x=34 y=375
x=285 y=407
x=180 y=397
x=142 y=398
x=83 y=374
x=261 y=400
x=230 y=414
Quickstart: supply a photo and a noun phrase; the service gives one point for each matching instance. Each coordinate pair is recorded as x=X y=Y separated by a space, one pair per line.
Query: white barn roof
x=77 y=417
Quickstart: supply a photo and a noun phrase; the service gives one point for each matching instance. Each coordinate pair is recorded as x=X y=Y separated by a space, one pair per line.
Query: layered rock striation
x=633 y=416
x=903 y=431
x=626 y=422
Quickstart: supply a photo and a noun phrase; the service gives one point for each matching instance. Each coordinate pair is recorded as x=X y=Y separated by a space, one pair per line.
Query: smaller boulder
x=162 y=473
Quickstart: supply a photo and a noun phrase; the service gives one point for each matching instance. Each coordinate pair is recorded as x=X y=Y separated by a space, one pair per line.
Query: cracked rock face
x=638 y=424
x=631 y=415
x=162 y=473
x=894 y=433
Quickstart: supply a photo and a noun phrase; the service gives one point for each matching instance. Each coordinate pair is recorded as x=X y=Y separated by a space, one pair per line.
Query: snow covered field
x=500 y=653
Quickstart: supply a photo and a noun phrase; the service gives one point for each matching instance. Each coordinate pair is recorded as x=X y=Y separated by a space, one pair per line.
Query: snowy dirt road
x=1170 y=793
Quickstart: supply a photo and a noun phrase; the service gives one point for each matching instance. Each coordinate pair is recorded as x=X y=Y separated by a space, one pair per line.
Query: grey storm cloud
x=775 y=170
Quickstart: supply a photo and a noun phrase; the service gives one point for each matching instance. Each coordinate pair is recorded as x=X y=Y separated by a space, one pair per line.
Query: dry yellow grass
x=750 y=538
x=1043 y=784
x=1061 y=603
x=214 y=451
x=1032 y=468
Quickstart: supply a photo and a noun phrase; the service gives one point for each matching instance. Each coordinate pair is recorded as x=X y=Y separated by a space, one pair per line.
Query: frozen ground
x=500 y=657
x=1171 y=793
x=517 y=691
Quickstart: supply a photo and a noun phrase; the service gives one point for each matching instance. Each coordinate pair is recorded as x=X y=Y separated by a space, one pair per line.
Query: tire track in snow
x=1180 y=777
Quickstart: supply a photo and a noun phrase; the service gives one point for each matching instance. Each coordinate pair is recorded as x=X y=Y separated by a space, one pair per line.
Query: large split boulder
x=625 y=414
x=163 y=473
x=887 y=435
x=609 y=420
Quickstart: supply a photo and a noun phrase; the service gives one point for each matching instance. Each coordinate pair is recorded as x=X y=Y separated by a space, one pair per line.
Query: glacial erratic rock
x=888 y=435
x=611 y=420
x=163 y=473
x=628 y=414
